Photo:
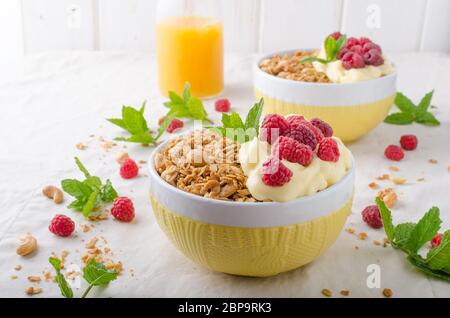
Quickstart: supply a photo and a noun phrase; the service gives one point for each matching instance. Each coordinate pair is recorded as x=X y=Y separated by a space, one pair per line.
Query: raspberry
x=324 y=127
x=357 y=49
x=123 y=209
x=371 y=215
x=342 y=53
x=408 y=142
x=295 y=120
x=275 y=173
x=328 y=150
x=292 y=151
x=303 y=134
x=300 y=120
x=222 y=105
x=363 y=41
x=373 y=57
x=436 y=241
x=128 y=169
x=174 y=125
x=351 y=41
x=61 y=225
x=275 y=125
x=394 y=152
x=336 y=35
x=352 y=60
x=371 y=46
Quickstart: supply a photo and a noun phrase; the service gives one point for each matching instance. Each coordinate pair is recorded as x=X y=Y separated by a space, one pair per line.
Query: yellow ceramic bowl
x=352 y=109
x=250 y=239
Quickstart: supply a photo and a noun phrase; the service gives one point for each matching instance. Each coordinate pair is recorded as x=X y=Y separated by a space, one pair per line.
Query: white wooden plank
x=290 y=24
x=436 y=29
x=58 y=25
x=241 y=25
x=395 y=25
x=127 y=25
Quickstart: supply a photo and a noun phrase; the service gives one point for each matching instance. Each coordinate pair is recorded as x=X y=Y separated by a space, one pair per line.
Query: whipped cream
x=338 y=74
x=318 y=176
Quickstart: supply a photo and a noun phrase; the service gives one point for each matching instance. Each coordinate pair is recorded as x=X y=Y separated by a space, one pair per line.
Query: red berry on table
x=373 y=57
x=128 y=169
x=394 y=152
x=352 y=60
x=336 y=35
x=351 y=41
x=437 y=239
x=324 y=127
x=371 y=215
x=408 y=142
x=61 y=225
x=275 y=173
x=272 y=127
x=175 y=124
x=303 y=134
x=123 y=209
x=292 y=151
x=328 y=150
x=222 y=105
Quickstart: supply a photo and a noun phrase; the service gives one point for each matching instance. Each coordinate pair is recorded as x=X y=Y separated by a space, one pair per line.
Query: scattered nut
x=54 y=193
x=399 y=180
x=34 y=279
x=387 y=292
x=326 y=292
x=121 y=156
x=33 y=290
x=91 y=244
x=18 y=267
x=344 y=292
x=433 y=161
x=448 y=168
x=81 y=146
x=362 y=236
x=388 y=196
x=350 y=230
x=376 y=242
x=14 y=276
x=27 y=245
x=394 y=168
x=373 y=185
x=85 y=228
x=384 y=177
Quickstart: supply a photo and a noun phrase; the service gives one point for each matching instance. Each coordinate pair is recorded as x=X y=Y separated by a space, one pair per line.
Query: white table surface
x=53 y=101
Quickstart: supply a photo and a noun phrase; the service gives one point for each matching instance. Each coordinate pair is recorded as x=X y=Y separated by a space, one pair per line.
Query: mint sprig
x=89 y=193
x=410 y=113
x=94 y=273
x=134 y=122
x=186 y=106
x=241 y=131
x=411 y=237
x=332 y=48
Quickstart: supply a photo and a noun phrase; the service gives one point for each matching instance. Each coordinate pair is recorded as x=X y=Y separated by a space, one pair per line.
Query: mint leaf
x=425 y=230
x=144 y=138
x=340 y=44
x=254 y=115
x=404 y=103
x=424 y=104
x=423 y=267
x=96 y=273
x=118 y=122
x=438 y=258
x=428 y=119
x=107 y=192
x=313 y=59
x=175 y=98
x=330 y=47
x=75 y=188
x=386 y=218
x=162 y=128
x=196 y=109
x=77 y=205
x=91 y=203
x=64 y=287
x=400 y=119
x=402 y=233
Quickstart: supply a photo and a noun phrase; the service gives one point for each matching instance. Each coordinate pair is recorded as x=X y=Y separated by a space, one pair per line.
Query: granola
x=289 y=67
x=206 y=164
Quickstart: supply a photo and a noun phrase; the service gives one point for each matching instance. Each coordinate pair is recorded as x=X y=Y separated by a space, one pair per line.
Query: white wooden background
x=32 y=26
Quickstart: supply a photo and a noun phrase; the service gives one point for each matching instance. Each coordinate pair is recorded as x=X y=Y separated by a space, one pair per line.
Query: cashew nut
x=28 y=244
x=54 y=193
x=121 y=156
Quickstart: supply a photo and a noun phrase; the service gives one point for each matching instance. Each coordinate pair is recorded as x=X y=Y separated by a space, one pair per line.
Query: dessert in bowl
x=353 y=91
x=278 y=210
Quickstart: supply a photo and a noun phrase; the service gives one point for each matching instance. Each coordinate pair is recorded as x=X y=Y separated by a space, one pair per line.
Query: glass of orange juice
x=189 y=46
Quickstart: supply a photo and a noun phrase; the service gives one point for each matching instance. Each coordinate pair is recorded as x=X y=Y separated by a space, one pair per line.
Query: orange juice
x=190 y=49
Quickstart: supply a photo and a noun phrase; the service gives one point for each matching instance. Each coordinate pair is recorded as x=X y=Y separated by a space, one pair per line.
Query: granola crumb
x=350 y=230
x=362 y=236
x=14 y=276
x=387 y=292
x=385 y=242
x=33 y=290
x=384 y=177
x=91 y=244
x=399 y=181
x=142 y=162
x=121 y=156
x=85 y=228
x=81 y=146
x=376 y=242
x=106 y=145
x=344 y=292
x=433 y=161
x=373 y=185
x=448 y=168
x=34 y=278
x=394 y=168
x=388 y=196
x=326 y=292
x=18 y=267
x=48 y=276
